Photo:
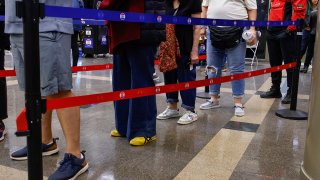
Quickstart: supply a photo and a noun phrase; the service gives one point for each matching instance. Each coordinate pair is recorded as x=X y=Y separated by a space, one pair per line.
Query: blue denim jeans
x=133 y=68
x=235 y=63
x=182 y=74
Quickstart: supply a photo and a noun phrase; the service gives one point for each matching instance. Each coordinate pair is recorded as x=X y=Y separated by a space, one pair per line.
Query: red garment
x=121 y=32
x=278 y=10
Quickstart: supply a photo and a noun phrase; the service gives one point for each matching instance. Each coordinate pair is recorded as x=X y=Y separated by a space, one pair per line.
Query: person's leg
x=186 y=75
x=171 y=77
x=55 y=84
x=75 y=48
x=70 y=122
x=236 y=62
x=143 y=111
x=216 y=59
x=275 y=58
x=121 y=80
x=49 y=146
x=310 y=52
x=289 y=55
x=46 y=127
x=304 y=43
x=172 y=111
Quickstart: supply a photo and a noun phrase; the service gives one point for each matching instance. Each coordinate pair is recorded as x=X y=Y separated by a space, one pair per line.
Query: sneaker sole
x=213 y=107
x=239 y=115
x=3 y=134
x=49 y=153
x=185 y=123
x=84 y=169
x=175 y=116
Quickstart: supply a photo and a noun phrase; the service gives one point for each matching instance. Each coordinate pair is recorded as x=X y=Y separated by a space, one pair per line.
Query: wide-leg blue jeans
x=133 y=68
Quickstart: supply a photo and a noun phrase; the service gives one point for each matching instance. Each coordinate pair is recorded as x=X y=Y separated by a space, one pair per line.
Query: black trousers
x=75 y=48
x=281 y=50
x=310 y=51
x=3 y=90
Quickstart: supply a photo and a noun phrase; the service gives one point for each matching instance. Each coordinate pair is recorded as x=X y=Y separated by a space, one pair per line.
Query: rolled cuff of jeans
x=188 y=108
x=172 y=100
x=238 y=96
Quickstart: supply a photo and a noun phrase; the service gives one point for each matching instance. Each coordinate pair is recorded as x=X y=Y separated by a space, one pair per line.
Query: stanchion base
x=292 y=115
x=203 y=95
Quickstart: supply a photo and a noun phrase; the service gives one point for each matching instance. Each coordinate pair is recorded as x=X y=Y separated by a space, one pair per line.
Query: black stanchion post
x=293 y=113
x=30 y=11
x=205 y=94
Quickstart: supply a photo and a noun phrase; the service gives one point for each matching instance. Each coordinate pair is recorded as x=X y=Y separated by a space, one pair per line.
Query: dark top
x=184 y=33
x=124 y=32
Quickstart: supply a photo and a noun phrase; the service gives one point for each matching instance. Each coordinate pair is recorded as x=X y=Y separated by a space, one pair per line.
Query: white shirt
x=229 y=9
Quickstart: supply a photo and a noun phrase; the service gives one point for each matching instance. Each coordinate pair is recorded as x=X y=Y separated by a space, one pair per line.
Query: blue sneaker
x=2 y=131
x=70 y=168
x=47 y=150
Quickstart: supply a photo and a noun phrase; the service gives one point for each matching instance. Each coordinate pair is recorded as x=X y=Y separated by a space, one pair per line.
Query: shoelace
x=67 y=160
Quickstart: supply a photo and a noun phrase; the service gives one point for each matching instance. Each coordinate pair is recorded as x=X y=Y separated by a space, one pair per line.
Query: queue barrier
x=22 y=126
x=11 y=73
x=32 y=11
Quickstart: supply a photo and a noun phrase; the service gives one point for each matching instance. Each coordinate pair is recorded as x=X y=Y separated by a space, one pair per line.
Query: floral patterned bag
x=169 y=50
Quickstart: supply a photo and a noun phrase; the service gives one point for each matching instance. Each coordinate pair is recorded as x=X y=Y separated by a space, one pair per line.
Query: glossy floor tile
x=211 y=148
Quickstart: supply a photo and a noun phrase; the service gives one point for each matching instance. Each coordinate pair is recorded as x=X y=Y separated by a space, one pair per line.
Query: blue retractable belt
x=97 y=17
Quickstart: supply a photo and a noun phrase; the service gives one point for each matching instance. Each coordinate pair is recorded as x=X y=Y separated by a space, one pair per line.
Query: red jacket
x=283 y=10
x=121 y=32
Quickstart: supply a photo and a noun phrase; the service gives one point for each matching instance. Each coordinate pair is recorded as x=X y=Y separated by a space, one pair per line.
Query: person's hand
x=194 y=57
x=253 y=40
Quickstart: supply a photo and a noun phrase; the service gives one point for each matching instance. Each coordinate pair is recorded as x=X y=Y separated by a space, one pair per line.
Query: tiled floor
x=265 y=146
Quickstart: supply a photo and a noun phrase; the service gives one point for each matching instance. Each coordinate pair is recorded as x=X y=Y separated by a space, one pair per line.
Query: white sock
x=238 y=104
x=81 y=157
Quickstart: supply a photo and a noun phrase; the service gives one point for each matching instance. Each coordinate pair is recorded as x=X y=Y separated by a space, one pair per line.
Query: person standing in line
x=280 y=42
x=188 y=40
x=74 y=38
x=231 y=47
x=134 y=47
x=56 y=82
x=4 y=45
x=309 y=35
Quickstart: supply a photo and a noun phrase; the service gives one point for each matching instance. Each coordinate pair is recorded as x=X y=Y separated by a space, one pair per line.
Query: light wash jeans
x=235 y=63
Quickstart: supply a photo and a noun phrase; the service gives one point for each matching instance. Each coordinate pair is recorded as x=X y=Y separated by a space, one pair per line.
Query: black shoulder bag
x=225 y=37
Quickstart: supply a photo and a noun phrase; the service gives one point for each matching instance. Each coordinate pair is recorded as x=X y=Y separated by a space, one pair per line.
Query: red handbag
x=169 y=50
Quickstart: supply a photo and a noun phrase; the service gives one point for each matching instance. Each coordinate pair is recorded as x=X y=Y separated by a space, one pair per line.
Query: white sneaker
x=187 y=118
x=169 y=113
x=210 y=105
x=239 y=111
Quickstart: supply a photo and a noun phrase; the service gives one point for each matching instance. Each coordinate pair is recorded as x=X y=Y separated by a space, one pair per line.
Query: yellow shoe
x=115 y=133
x=140 y=141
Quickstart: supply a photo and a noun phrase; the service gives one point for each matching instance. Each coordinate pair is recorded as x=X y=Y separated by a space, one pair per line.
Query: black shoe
x=272 y=93
x=287 y=99
x=304 y=69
